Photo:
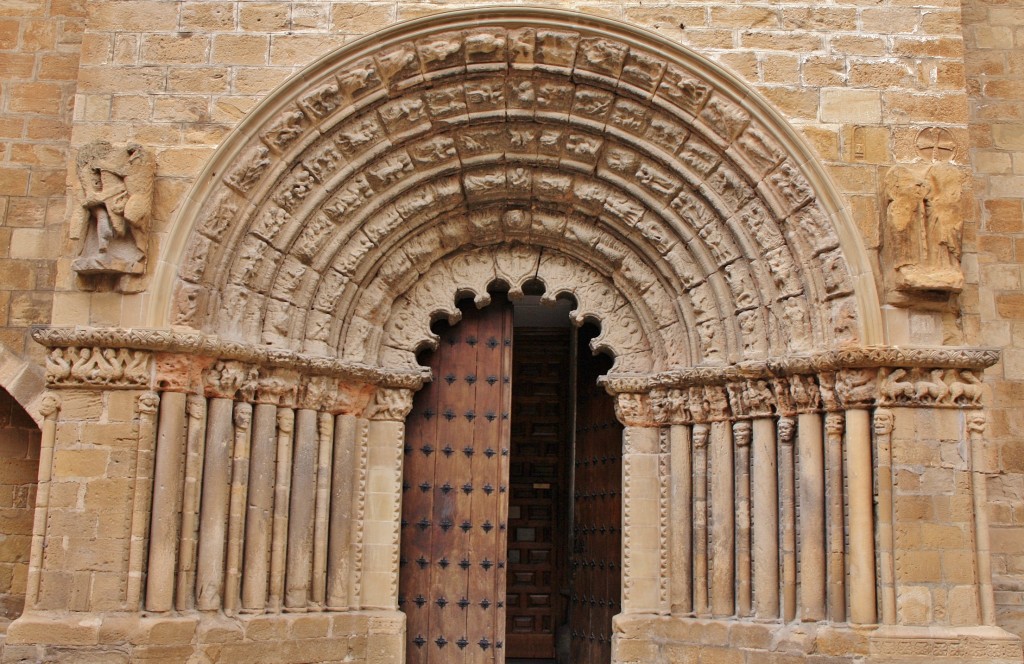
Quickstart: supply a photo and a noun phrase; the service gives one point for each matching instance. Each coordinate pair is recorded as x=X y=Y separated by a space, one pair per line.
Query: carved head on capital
x=884 y=422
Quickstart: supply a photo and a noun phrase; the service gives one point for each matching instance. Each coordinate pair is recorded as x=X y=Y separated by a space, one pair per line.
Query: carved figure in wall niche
x=117 y=188
x=924 y=227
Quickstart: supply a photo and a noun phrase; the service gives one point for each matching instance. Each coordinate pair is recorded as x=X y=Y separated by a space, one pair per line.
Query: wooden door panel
x=597 y=518
x=454 y=507
x=537 y=536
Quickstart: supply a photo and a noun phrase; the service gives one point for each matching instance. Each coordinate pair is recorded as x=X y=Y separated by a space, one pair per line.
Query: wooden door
x=454 y=502
x=597 y=516
x=538 y=498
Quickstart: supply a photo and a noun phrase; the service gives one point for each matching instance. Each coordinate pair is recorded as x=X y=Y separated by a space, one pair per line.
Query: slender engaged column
x=886 y=558
x=323 y=501
x=766 y=514
x=282 y=491
x=742 y=432
x=236 y=505
x=862 y=532
x=142 y=500
x=346 y=433
x=836 y=522
x=213 y=510
x=681 y=511
x=701 y=434
x=302 y=512
x=167 y=492
x=979 y=478
x=49 y=408
x=259 y=508
x=185 y=597
x=723 y=521
x=812 y=517
x=787 y=491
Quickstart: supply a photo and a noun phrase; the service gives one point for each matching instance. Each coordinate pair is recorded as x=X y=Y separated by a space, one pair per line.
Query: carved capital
x=805 y=393
x=786 y=430
x=835 y=424
x=668 y=406
x=883 y=422
x=243 y=416
x=700 y=435
x=232 y=380
x=277 y=386
x=49 y=406
x=391 y=404
x=857 y=388
x=976 y=423
x=634 y=409
x=149 y=403
x=718 y=403
x=742 y=433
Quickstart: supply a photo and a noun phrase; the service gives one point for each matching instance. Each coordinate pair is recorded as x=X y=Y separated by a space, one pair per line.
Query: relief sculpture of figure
x=924 y=227
x=117 y=188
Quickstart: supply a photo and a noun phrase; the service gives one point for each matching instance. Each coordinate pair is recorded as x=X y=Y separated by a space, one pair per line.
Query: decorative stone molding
x=112 y=358
x=924 y=378
x=656 y=170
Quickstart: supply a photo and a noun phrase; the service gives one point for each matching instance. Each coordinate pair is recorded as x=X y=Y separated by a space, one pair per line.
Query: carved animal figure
x=968 y=388
x=935 y=389
x=894 y=388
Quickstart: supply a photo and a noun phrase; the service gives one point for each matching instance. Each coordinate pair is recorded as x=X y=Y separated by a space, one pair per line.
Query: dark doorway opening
x=514 y=432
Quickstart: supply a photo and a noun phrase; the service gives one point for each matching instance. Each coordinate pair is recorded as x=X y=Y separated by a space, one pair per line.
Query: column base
x=113 y=638
x=664 y=639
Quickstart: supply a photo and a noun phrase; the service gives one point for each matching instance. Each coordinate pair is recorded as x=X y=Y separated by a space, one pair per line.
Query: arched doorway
x=511 y=492
x=19 y=469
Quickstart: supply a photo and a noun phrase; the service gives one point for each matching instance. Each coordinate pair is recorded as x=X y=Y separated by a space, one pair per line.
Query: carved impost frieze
x=117 y=358
x=830 y=381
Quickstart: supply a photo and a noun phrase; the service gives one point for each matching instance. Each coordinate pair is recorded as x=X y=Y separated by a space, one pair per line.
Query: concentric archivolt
x=580 y=151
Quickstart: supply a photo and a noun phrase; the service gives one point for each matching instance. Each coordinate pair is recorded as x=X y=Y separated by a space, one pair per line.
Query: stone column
x=185 y=597
x=681 y=511
x=886 y=553
x=49 y=409
x=787 y=494
x=723 y=507
x=236 y=505
x=812 y=499
x=259 y=507
x=861 y=503
x=282 y=492
x=701 y=433
x=213 y=510
x=641 y=548
x=302 y=512
x=167 y=493
x=766 y=515
x=834 y=425
x=149 y=403
x=979 y=478
x=381 y=519
x=323 y=497
x=742 y=434
x=349 y=433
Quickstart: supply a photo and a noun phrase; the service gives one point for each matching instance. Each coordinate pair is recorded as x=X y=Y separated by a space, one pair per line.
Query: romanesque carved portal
x=674 y=208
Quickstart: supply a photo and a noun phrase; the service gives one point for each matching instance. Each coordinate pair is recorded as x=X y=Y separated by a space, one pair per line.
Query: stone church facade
x=273 y=271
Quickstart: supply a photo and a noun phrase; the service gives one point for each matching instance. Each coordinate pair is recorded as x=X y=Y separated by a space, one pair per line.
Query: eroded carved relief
x=117 y=193
x=924 y=227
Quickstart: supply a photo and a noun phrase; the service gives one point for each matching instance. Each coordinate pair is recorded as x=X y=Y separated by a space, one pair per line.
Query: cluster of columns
x=769 y=502
x=261 y=505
